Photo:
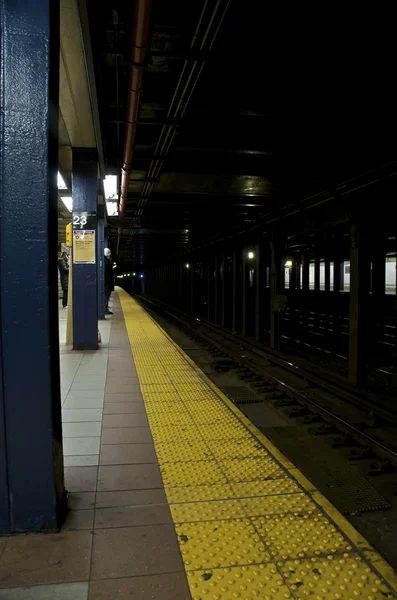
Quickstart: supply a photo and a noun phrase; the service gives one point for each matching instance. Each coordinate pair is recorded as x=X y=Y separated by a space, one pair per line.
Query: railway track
x=329 y=407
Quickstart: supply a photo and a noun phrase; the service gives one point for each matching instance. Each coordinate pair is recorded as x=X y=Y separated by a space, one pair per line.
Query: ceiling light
x=110 y=185
x=61 y=182
x=68 y=202
x=112 y=209
x=250 y=255
x=288 y=263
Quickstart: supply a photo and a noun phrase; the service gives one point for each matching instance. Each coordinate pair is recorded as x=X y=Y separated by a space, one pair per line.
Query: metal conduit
x=180 y=100
x=209 y=22
x=139 y=46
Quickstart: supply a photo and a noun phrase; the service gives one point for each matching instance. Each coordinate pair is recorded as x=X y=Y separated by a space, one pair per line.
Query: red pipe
x=139 y=45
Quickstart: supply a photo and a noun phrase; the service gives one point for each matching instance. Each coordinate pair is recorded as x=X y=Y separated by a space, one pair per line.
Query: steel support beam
x=216 y=262
x=259 y=292
x=32 y=492
x=277 y=248
x=222 y=274
x=359 y=297
x=101 y=264
x=244 y=289
x=85 y=295
x=234 y=291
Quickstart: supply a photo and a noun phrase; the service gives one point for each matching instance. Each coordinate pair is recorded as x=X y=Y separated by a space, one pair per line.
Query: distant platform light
x=68 y=202
x=112 y=208
x=110 y=186
x=134 y=274
x=288 y=263
x=251 y=255
x=187 y=266
x=141 y=275
x=61 y=182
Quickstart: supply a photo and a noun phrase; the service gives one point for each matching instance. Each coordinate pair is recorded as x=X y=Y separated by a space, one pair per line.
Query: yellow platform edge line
x=371 y=555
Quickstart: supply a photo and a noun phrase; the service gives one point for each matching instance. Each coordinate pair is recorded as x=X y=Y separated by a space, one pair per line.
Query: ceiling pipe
x=139 y=45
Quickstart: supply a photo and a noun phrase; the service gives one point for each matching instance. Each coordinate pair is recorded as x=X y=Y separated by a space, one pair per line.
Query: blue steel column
x=85 y=295
x=32 y=493
x=100 y=263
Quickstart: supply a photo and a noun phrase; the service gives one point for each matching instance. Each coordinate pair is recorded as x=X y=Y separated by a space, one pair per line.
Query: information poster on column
x=84 y=246
x=84 y=243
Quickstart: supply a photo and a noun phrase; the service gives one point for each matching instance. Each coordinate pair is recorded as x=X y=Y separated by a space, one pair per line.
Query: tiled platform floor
x=118 y=542
x=175 y=495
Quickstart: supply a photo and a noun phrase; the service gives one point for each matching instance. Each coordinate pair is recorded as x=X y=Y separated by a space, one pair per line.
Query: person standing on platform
x=109 y=279
x=63 y=266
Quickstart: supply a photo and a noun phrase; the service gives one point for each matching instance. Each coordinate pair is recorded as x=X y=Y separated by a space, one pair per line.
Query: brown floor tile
x=80 y=479
x=123 y=398
x=127 y=435
x=113 y=421
x=122 y=363
x=129 y=477
x=43 y=559
x=78 y=501
x=127 y=454
x=135 y=551
x=124 y=380
x=79 y=519
x=117 y=372
x=170 y=586
x=122 y=388
x=132 y=516
x=130 y=498
x=124 y=408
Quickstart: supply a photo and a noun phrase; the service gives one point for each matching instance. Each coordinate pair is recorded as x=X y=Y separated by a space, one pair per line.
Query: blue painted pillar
x=84 y=219
x=100 y=263
x=32 y=493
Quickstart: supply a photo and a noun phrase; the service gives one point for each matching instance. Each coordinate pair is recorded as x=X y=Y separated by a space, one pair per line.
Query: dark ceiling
x=203 y=163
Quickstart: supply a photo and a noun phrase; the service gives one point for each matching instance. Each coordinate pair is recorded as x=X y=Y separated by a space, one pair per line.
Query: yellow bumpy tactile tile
x=200 y=493
x=183 y=474
x=274 y=505
x=345 y=577
x=213 y=544
x=298 y=536
x=206 y=511
x=260 y=582
x=236 y=448
x=249 y=526
x=183 y=451
x=249 y=469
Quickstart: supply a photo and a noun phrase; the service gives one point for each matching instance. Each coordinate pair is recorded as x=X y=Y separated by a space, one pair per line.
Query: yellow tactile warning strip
x=248 y=523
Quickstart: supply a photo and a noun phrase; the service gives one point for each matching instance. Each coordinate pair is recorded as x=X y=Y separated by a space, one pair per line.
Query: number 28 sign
x=84 y=220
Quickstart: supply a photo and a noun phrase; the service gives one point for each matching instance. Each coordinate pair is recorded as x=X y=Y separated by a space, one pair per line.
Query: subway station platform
x=174 y=494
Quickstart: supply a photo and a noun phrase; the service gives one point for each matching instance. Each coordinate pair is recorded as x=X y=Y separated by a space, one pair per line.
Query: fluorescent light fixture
x=110 y=185
x=61 y=182
x=68 y=202
x=251 y=255
x=288 y=263
x=112 y=209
